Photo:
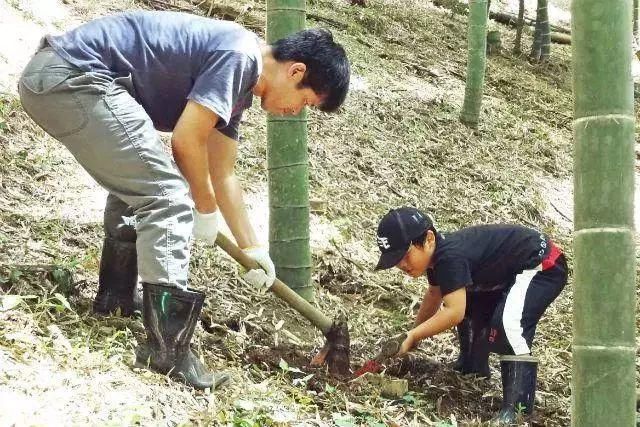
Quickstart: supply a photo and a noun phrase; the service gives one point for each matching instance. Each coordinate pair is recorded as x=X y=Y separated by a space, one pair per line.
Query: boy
x=493 y=282
x=105 y=88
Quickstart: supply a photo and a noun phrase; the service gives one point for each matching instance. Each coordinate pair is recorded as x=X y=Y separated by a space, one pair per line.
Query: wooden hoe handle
x=281 y=290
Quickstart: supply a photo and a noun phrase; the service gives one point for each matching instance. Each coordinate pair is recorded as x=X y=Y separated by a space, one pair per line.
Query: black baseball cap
x=396 y=230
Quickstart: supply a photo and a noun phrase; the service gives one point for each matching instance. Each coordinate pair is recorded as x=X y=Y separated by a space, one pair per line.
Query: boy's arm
x=451 y=314
x=431 y=302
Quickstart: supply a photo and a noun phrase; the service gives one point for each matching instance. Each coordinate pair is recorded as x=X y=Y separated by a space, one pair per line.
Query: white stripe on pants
x=512 y=314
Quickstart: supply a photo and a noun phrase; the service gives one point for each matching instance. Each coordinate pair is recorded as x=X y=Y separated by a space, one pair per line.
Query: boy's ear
x=431 y=238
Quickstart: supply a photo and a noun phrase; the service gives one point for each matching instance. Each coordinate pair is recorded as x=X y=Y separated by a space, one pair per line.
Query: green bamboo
x=635 y=18
x=288 y=171
x=476 y=62
x=541 y=46
x=517 y=44
x=604 y=263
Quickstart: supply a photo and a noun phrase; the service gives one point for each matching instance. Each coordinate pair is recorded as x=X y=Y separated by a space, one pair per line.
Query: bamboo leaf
x=61 y=298
x=9 y=302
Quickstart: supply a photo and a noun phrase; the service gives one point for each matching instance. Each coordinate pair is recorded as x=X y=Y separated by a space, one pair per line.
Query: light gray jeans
x=97 y=118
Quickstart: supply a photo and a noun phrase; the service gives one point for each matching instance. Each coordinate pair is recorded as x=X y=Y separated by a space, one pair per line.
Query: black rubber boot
x=170 y=316
x=474 y=350
x=464 y=339
x=519 y=374
x=118 y=279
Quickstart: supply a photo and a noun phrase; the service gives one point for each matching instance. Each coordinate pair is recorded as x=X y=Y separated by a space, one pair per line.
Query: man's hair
x=328 y=69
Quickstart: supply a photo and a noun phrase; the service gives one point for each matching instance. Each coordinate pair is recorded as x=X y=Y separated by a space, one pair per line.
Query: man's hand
x=205 y=226
x=260 y=278
x=256 y=278
x=408 y=344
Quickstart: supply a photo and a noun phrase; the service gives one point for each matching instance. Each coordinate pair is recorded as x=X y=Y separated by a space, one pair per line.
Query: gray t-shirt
x=171 y=57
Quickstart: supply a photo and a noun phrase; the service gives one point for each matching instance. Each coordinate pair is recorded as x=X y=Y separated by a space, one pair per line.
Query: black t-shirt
x=485 y=257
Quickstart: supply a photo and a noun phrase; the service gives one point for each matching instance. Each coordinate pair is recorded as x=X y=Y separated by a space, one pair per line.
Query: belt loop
x=43 y=44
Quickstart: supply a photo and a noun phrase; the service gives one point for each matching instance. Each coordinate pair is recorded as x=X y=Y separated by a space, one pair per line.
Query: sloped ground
x=397 y=142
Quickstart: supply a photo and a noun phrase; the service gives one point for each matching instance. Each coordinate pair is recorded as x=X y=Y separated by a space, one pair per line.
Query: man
x=493 y=281
x=104 y=88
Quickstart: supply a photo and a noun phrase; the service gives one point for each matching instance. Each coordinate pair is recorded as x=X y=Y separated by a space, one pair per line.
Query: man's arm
x=430 y=304
x=222 y=153
x=189 y=146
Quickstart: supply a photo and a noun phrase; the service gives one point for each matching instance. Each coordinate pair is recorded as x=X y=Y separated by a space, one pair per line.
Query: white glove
x=205 y=226
x=260 y=278
x=256 y=278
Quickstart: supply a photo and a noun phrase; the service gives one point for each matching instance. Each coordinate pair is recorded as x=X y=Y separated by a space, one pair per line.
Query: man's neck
x=268 y=65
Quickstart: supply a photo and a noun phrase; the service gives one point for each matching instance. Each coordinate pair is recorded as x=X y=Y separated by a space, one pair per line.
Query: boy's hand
x=407 y=345
x=389 y=348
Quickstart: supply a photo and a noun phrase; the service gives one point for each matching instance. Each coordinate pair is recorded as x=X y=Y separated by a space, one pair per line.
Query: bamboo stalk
x=476 y=62
x=517 y=44
x=541 y=47
x=604 y=263
x=635 y=18
x=560 y=38
x=288 y=171
x=509 y=19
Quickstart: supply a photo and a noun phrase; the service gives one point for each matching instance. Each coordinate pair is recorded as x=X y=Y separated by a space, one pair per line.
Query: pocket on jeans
x=52 y=105
x=42 y=82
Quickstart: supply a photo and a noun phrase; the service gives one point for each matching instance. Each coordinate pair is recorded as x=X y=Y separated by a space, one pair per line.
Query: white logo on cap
x=383 y=242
